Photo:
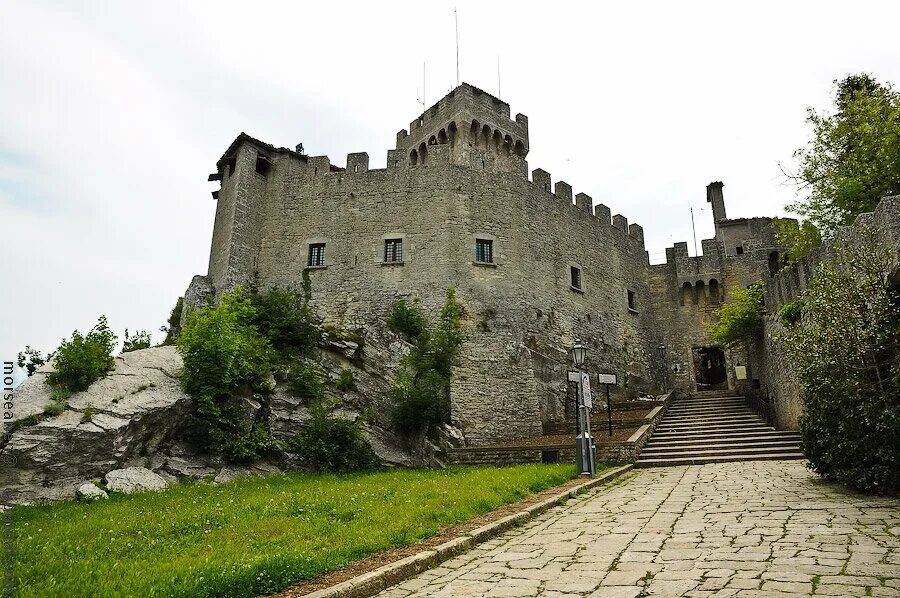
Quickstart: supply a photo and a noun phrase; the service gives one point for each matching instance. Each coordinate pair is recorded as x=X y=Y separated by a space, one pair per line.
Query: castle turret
x=476 y=127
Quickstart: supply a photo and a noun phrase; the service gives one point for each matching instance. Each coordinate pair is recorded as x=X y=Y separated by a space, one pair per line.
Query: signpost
x=584 y=442
x=608 y=380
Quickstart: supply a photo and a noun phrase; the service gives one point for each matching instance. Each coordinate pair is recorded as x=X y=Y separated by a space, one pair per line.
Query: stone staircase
x=713 y=428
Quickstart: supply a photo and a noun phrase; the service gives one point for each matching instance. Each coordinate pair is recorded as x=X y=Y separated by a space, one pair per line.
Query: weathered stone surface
x=136 y=410
x=134 y=479
x=713 y=530
x=89 y=491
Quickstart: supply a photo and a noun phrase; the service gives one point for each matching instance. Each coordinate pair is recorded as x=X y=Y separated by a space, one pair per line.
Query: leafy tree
x=31 y=359
x=422 y=389
x=285 y=318
x=307 y=379
x=846 y=348
x=740 y=320
x=140 y=340
x=852 y=160
x=801 y=237
x=83 y=359
x=224 y=353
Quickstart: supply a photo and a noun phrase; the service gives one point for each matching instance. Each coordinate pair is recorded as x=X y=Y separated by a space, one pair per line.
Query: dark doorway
x=709 y=364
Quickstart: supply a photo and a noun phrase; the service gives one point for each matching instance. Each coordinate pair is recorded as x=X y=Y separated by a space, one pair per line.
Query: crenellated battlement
x=599 y=213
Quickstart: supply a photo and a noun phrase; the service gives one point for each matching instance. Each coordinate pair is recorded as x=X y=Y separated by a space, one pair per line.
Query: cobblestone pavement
x=766 y=528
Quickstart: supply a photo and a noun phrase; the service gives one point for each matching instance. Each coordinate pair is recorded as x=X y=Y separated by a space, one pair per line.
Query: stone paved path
x=765 y=528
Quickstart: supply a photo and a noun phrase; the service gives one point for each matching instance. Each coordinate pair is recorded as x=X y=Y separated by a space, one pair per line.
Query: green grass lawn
x=251 y=536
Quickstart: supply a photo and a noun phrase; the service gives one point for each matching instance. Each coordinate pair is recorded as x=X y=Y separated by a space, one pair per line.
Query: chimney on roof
x=299 y=149
x=717 y=199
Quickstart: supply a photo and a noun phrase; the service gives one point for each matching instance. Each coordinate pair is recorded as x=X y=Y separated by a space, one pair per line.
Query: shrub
x=333 y=444
x=421 y=391
x=739 y=321
x=140 y=340
x=847 y=355
x=346 y=381
x=30 y=359
x=286 y=320
x=307 y=379
x=224 y=353
x=82 y=360
x=88 y=414
x=790 y=313
x=406 y=319
x=174 y=323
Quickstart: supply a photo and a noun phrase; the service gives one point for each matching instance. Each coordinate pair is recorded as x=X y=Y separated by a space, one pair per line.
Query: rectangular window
x=393 y=250
x=484 y=251
x=740 y=250
x=317 y=254
x=632 y=305
x=576 y=277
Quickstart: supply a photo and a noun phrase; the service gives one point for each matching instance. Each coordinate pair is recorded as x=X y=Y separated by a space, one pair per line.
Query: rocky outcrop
x=90 y=491
x=136 y=419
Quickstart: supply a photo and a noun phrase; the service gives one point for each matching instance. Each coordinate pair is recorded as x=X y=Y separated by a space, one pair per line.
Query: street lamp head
x=578 y=353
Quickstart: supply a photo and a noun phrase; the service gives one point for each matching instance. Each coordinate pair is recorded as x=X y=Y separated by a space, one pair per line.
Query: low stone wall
x=609 y=452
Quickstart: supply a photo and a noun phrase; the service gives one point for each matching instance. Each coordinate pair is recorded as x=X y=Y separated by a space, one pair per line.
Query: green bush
x=83 y=359
x=286 y=320
x=406 y=319
x=421 y=391
x=332 y=444
x=224 y=354
x=88 y=414
x=174 y=323
x=140 y=340
x=346 y=381
x=740 y=320
x=846 y=350
x=790 y=313
x=307 y=380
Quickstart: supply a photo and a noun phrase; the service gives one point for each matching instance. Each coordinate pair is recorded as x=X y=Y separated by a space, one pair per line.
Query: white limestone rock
x=89 y=491
x=134 y=479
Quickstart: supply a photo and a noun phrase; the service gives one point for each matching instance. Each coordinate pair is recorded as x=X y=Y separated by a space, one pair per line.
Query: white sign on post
x=607 y=379
x=586 y=389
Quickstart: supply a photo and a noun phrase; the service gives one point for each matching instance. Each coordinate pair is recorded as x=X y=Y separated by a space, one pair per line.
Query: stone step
x=712 y=451
x=710 y=409
x=682 y=421
x=669 y=461
x=716 y=447
x=706 y=437
x=675 y=440
x=694 y=429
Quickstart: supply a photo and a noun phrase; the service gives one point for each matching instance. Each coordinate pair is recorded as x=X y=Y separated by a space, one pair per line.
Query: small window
x=263 y=165
x=739 y=249
x=575 y=274
x=393 y=250
x=632 y=304
x=317 y=255
x=484 y=251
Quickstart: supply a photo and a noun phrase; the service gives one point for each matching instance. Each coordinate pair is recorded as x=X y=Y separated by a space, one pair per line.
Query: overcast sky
x=112 y=114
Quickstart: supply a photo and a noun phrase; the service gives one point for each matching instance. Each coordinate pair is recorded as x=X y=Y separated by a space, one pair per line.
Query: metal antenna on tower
x=456 y=23
x=422 y=99
x=498 y=75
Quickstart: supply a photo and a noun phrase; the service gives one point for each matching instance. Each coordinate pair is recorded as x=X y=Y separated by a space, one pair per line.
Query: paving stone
x=748 y=530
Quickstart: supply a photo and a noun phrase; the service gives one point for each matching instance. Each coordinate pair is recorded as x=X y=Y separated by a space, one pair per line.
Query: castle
x=534 y=267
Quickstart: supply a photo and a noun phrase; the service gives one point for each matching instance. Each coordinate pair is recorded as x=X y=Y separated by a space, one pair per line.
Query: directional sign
x=574 y=376
x=607 y=379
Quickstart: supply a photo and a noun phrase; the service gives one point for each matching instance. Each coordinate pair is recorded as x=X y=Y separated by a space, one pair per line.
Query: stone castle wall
x=779 y=383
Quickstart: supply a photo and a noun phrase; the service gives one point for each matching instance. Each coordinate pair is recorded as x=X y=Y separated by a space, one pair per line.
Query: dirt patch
x=379 y=559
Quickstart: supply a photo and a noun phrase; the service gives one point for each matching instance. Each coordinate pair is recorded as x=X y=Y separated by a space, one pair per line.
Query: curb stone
x=369 y=584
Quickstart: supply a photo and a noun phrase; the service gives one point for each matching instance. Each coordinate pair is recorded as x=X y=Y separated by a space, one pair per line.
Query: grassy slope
x=250 y=536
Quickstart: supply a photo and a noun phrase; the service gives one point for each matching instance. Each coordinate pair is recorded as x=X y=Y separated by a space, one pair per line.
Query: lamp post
x=584 y=444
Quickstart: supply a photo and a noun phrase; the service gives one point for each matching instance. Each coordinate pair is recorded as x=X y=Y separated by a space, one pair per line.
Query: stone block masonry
x=558 y=268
